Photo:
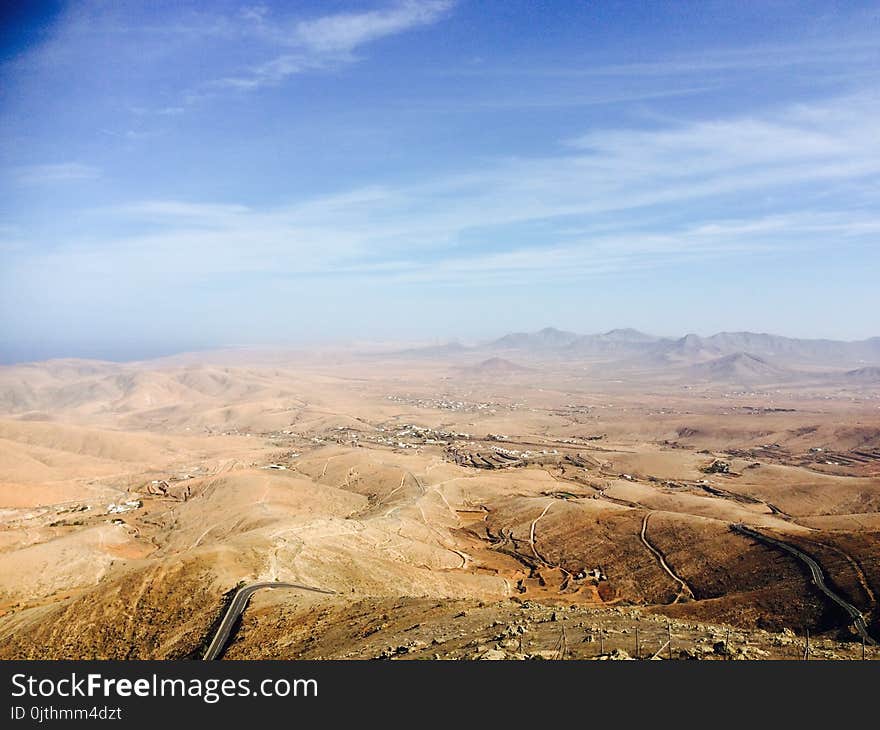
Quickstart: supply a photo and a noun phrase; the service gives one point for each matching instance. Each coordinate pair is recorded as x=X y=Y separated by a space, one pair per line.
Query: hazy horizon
x=140 y=352
x=182 y=176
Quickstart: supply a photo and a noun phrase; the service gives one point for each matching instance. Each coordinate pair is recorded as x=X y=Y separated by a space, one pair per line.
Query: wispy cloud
x=851 y=51
x=596 y=255
x=549 y=100
x=56 y=173
x=328 y=40
x=212 y=49
x=593 y=208
x=181 y=212
x=346 y=31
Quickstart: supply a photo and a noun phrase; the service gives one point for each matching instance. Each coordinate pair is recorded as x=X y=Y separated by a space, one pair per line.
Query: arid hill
x=738 y=368
x=494 y=366
x=863 y=375
x=135 y=497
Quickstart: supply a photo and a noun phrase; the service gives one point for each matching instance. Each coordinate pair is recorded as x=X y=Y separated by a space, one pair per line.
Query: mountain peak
x=628 y=334
x=549 y=337
x=740 y=367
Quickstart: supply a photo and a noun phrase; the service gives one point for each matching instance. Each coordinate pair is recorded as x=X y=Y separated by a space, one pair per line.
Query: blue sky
x=183 y=175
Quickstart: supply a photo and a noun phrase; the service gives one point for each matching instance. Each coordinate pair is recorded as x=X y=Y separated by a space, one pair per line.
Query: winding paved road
x=817 y=575
x=236 y=608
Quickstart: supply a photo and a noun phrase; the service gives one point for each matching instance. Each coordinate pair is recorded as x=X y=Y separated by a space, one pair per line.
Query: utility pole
x=669 y=636
x=807 y=647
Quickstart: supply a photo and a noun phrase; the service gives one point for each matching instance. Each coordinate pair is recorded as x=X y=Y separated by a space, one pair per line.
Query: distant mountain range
x=740 y=356
x=691 y=347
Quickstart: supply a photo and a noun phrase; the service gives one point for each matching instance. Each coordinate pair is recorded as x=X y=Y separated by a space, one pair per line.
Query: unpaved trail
x=532 y=532
x=684 y=587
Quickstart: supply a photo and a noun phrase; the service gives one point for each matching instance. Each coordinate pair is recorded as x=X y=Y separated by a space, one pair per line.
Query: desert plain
x=541 y=496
